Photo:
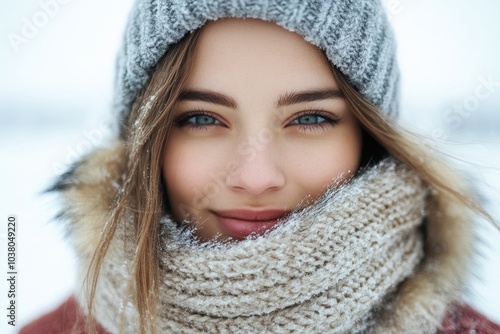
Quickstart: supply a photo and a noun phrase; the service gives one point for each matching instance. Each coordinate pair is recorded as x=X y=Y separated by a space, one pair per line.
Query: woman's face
x=259 y=130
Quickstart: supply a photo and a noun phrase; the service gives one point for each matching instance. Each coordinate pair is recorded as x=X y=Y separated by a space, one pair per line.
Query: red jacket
x=462 y=320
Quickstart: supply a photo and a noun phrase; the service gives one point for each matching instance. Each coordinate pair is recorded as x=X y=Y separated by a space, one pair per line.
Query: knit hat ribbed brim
x=354 y=34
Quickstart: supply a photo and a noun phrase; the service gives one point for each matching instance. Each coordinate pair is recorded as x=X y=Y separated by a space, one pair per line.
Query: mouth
x=241 y=223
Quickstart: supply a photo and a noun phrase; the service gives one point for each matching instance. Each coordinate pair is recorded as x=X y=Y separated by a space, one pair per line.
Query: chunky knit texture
x=325 y=269
x=355 y=35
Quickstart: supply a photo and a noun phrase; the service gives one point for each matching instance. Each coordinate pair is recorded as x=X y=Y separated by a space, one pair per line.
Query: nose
x=258 y=172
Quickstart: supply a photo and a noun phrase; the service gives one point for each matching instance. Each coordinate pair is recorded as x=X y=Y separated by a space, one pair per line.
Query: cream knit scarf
x=328 y=268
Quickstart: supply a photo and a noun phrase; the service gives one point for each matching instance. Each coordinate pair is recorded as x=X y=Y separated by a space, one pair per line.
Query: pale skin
x=245 y=142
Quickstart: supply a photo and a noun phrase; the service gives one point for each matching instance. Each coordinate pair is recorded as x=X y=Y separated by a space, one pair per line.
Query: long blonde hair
x=142 y=198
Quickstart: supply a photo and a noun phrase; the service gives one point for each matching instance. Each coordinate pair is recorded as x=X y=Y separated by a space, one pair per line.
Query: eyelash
x=182 y=120
x=330 y=120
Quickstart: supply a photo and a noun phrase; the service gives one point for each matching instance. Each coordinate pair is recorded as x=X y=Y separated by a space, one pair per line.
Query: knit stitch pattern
x=354 y=34
x=324 y=269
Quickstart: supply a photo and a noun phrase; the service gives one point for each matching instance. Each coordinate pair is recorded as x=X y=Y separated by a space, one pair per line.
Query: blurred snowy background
x=56 y=75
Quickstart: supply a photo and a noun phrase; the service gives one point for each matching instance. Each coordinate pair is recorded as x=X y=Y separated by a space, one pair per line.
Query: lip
x=241 y=223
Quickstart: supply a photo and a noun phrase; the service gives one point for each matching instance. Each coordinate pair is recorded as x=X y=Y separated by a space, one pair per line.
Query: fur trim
x=89 y=189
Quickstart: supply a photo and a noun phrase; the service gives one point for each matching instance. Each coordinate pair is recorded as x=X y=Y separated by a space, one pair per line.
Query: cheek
x=190 y=170
x=184 y=171
x=322 y=164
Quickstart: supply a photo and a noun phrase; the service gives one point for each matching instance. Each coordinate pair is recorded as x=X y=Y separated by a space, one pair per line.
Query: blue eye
x=309 y=120
x=314 y=120
x=202 y=120
x=197 y=119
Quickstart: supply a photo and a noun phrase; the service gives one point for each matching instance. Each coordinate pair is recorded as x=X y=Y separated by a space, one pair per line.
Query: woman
x=260 y=183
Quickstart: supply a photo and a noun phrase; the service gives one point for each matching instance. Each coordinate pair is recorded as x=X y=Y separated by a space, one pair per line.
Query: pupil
x=205 y=120
x=309 y=119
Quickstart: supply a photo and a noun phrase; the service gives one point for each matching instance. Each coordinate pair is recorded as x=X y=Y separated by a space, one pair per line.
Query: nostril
x=255 y=179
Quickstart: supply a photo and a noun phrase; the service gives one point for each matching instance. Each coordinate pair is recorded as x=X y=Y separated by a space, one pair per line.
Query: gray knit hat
x=354 y=34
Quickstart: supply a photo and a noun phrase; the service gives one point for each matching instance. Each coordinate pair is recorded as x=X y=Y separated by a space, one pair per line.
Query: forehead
x=233 y=54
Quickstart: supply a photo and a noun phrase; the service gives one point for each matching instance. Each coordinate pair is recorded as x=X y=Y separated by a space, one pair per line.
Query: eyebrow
x=284 y=100
x=208 y=96
x=308 y=96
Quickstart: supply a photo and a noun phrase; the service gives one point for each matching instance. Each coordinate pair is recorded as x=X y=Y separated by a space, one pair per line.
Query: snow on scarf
x=327 y=268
